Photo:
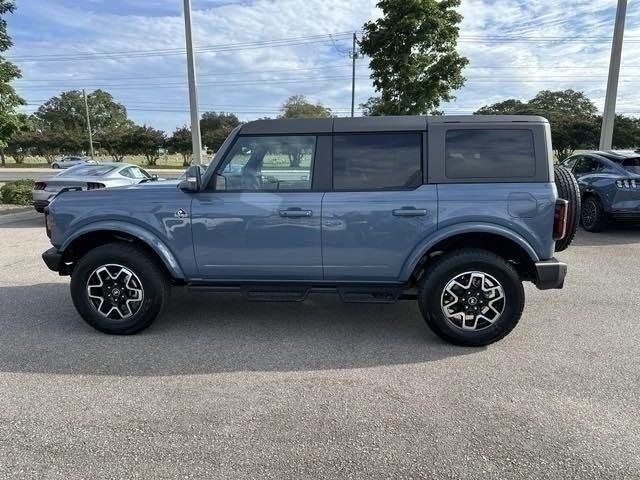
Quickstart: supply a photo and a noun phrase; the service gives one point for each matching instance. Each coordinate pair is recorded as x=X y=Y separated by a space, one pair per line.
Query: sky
x=253 y=54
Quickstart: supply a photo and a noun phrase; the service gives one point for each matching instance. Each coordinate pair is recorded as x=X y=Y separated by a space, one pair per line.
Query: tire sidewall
x=151 y=285
x=431 y=302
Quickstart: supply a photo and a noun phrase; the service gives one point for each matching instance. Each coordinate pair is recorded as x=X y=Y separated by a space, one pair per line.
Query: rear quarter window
x=489 y=153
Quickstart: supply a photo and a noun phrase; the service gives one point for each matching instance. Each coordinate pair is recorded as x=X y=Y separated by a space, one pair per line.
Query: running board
x=366 y=294
x=298 y=293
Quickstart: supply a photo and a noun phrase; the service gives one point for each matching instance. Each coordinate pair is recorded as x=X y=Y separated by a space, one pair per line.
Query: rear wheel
x=592 y=218
x=471 y=297
x=55 y=166
x=119 y=288
x=568 y=189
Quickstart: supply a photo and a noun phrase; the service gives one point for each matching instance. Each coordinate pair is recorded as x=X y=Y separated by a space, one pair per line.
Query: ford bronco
x=453 y=211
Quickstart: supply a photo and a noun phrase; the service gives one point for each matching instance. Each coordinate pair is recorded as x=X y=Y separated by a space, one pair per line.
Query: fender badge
x=180 y=213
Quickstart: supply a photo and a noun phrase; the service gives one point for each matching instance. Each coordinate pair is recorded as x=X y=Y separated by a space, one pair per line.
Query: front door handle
x=295 y=213
x=409 y=212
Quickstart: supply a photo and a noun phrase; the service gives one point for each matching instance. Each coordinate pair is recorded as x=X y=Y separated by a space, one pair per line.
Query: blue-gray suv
x=609 y=183
x=454 y=212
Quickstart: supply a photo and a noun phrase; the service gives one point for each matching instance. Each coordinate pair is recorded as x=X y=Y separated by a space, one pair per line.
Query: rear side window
x=489 y=153
x=380 y=161
x=587 y=165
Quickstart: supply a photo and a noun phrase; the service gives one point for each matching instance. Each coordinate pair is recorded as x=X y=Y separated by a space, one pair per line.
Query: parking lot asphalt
x=220 y=388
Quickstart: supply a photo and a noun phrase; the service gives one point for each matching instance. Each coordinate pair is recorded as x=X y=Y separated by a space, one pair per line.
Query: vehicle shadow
x=615 y=234
x=41 y=332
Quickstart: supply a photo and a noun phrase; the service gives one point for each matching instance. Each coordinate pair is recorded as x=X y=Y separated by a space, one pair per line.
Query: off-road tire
x=568 y=189
x=446 y=267
x=154 y=281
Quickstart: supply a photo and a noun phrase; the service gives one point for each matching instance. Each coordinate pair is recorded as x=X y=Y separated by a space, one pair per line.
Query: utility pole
x=86 y=109
x=196 y=142
x=609 y=114
x=354 y=55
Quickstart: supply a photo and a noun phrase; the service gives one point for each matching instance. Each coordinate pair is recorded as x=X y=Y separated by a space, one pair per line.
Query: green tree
x=567 y=102
x=414 y=63
x=297 y=106
x=20 y=144
x=508 y=107
x=112 y=140
x=144 y=140
x=11 y=122
x=180 y=142
x=626 y=132
x=215 y=128
x=63 y=118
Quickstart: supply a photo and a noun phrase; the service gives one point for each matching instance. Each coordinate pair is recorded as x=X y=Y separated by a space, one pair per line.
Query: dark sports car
x=609 y=184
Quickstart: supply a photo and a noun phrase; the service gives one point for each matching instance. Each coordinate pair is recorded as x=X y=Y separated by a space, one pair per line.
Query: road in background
x=9 y=174
x=222 y=388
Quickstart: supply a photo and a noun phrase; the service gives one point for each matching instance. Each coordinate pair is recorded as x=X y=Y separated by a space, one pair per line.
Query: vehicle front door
x=379 y=210
x=584 y=171
x=261 y=221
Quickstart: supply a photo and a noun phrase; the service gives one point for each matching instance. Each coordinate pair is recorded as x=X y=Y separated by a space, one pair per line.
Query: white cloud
x=245 y=80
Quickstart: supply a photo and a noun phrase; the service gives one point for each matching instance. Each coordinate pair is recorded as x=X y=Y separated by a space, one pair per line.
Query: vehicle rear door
x=378 y=209
x=261 y=221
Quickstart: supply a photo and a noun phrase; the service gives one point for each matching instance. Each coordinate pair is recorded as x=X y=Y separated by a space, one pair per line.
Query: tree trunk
x=2 y=156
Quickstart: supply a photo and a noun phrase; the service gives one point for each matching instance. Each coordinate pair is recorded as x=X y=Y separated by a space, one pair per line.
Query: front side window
x=570 y=162
x=489 y=153
x=269 y=163
x=380 y=161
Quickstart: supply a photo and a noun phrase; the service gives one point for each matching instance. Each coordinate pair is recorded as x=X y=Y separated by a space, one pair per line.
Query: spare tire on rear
x=568 y=189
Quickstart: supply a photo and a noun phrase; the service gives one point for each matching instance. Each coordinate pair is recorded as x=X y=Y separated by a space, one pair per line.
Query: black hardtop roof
x=374 y=124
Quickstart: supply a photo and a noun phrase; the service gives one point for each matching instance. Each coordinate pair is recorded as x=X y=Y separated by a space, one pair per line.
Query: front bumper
x=53 y=259
x=550 y=274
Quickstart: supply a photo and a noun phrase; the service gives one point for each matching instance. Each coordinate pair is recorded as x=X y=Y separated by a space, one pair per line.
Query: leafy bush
x=17 y=193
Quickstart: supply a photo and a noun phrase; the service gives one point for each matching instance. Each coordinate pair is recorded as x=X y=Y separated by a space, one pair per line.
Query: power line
x=309 y=39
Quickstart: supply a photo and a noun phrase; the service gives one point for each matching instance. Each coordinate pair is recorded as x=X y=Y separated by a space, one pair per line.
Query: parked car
x=88 y=177
x=68 y=162
x=609 y=184
x=454 y=212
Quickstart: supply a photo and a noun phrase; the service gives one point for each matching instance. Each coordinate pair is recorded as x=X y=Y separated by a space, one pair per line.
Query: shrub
x=17 y=193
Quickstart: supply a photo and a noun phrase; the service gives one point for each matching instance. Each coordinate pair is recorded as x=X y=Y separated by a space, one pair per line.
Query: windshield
x=87 y=171
x=631 y=164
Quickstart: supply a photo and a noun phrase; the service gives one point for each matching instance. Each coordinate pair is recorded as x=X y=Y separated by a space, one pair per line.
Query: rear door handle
x=409 y=212
x=295 y=213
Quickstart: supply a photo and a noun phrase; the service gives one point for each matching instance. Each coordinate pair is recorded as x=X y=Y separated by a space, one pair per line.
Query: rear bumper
x=550 y=274
x=53 y=259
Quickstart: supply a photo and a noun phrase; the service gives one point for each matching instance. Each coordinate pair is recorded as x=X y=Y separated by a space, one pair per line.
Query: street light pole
x=609 y=113
x=196 y=141
x=86 y=109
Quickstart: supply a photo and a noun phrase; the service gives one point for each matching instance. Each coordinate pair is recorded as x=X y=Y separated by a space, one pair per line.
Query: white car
x=88 y=177
x=68 y=162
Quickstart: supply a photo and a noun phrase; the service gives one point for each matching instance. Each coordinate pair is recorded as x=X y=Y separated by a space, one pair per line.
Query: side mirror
x=193 y=180
x=154 y=178
x=221 y=182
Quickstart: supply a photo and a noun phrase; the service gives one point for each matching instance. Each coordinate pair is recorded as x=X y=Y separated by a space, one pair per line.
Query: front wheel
x=119 y=288
x=55 y=166
x=471 y=297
